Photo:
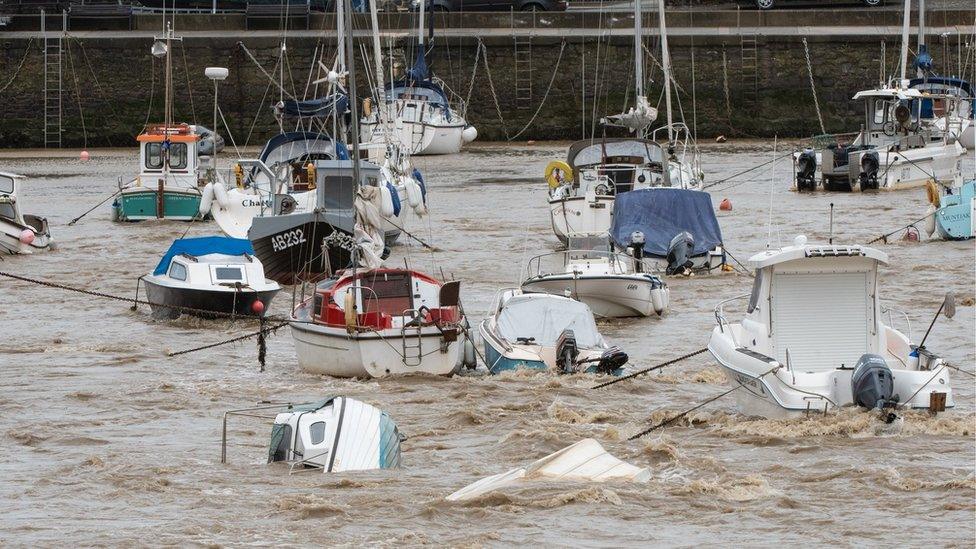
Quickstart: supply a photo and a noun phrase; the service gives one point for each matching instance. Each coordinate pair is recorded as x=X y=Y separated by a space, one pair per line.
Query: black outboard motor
x=869 y=171
x=806 y=168
x=679 y=254
x=871 y=383
x=567 y=351
x=637 y=245
x=611 y=360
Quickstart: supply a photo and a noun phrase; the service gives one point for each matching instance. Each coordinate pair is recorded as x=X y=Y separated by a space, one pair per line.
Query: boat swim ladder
x=411 y=339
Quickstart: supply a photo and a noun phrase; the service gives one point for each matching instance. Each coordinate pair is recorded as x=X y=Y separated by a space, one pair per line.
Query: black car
x=495 y=5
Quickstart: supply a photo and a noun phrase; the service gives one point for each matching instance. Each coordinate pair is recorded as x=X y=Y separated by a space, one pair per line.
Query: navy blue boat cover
x=662 y=213
x=322 y=107
x=204 y=245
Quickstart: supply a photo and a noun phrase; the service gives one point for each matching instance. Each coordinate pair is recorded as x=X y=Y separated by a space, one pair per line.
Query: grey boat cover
x=662 y=213
x=544 y=317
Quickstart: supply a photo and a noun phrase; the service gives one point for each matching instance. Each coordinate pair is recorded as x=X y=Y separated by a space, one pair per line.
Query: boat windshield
x=6 y=184
x=588 y=247
x=542 y=319
x=629 y=151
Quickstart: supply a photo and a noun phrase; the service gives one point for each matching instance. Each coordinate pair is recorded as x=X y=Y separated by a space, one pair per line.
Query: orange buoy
x=725 y=205
x=257 y=307
x=84 y=156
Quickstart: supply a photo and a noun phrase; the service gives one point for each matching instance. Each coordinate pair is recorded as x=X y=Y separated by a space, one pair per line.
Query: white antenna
x=772 y=179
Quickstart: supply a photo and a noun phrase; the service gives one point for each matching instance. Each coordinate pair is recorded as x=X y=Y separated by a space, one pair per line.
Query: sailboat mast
x=420 y=29
x=353 y=99
x=921 y=33
x=638 y=49
x=380 y=94
x=666 y=63
x=168 y=100
x=905 y=24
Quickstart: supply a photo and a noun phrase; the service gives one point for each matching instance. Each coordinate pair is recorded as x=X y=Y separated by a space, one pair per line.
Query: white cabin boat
x=379 y=323
x=813 y=339
x=336 y=434
x=613 y=285
x=20 y=233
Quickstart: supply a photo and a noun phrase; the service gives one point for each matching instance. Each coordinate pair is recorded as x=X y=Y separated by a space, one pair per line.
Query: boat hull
x=167 y=302
x=10 y=232
x=141 y=204
x=332 y=351
x=424 y=139
x=607 y=296
x=291 y=247
x=954 y=220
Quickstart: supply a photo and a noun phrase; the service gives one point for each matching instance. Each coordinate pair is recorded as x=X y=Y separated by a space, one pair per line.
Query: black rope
x=652 y=368
x=75 y=220
x=885 y=236
x=739 y=263
x=134 y=301
x=958 y=369
x=672 y=419
x=259 y=333
x=756 y=167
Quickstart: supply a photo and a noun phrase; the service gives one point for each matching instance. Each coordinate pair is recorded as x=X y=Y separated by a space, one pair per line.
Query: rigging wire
x=19 y=66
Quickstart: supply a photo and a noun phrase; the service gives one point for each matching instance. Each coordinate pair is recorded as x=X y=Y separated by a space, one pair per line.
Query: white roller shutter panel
x=821 y=318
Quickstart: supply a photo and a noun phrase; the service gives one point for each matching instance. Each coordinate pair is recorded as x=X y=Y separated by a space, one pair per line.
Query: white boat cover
x=544 y=317
x=585 y=461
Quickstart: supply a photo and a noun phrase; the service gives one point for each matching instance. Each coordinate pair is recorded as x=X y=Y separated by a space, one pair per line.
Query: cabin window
x=756 y=289
x=880 y=109
x=317 y=432
x=229 y=274
x=387 y=293
x=7 y=211
x=177 y=271
x=177 y=156
x=6 y=185
x=280 y=451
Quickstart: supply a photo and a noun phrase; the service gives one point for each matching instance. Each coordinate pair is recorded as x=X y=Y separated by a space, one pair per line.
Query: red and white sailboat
x=378 y=323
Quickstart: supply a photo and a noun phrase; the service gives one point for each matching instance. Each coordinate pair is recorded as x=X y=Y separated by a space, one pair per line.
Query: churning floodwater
x=106 y=440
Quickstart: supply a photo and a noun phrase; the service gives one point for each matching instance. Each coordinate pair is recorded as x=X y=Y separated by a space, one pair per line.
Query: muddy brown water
x=106 y=440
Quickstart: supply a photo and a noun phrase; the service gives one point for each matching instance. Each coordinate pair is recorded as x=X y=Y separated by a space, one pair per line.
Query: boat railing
x=685 y=140
x=888 y=310
x=720 y=319
x=825 y=140
x=620 y=263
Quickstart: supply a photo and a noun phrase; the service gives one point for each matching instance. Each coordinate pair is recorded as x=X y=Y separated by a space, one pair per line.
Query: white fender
x=469 y=134
x=930 y=220
x=414 y=196
x=220 y=195
x=468 y=355
x=660 y=299
x=206 y=198
x=387 y=201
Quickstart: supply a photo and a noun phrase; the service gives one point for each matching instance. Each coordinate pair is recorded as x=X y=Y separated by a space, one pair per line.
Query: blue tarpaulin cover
x=662 y=213
x=202 y=246
x=322 y=107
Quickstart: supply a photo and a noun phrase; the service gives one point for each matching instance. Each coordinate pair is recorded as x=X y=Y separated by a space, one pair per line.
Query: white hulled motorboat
x=813 y=339
x=545 y=332
x=613 y=285
x=20 y=233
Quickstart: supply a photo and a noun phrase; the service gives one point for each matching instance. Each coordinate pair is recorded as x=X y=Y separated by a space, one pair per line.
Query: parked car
x=494 y=5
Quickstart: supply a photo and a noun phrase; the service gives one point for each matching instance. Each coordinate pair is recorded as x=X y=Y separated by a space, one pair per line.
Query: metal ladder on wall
x=523 y=67
x=53 y=88
x=749 y=51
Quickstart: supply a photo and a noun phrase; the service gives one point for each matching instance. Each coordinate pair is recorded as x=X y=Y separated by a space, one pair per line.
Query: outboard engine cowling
x=679 y=253
x=871 y=382
x=611 y=360
x=806 y=168
x=637 y=245
x=868 y=178
x=566 y=351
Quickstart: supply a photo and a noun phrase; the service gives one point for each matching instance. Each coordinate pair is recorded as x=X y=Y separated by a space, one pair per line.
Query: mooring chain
x=134 y=301
x=651 y=369
x=269 y=329
x=340 y=240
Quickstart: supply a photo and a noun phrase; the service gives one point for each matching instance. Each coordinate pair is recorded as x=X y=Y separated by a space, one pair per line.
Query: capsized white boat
x=378 y=323
x=614 y=285
x=336 y=434
x=545 y=332
x=20 y=233
x=585 y=461
x=813 y=339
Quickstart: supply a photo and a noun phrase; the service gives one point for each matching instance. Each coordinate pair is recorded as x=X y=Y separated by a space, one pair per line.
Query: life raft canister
x=562 y=167
x=932 y=193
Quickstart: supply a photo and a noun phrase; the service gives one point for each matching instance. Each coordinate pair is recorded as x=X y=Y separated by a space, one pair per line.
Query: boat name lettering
x=746 y=380
x=249 y=203
x=287 y=239
x=632 y=286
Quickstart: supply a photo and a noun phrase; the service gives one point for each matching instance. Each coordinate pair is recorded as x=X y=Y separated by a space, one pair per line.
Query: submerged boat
x=813 y=339
x=20 y=233
x=210 y=274
x=674 y=231
x=953 y=212
x=169 y=180
x=545 y=332
x=335 y=434
x=380 y=322
x=613 y=285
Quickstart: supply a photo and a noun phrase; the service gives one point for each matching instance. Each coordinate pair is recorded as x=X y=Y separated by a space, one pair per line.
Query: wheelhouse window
x=756 y=289
x=317 y=432
x=387 y=293
x=154 y=156
x=177 y=271
x=177 y=156
x=880 y=109
x=6 y=185
x=229 y=274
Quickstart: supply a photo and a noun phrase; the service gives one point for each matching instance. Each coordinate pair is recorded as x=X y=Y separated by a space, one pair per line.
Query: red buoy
x=725 y=205
x=258 y=307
